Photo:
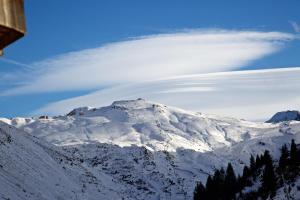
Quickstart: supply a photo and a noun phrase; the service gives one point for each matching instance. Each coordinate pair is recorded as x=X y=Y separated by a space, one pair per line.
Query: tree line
x=262 y=171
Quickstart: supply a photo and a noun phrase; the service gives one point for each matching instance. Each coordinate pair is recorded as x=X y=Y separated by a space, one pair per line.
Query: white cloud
x=295 y=26
x=253 y=95
x=148 y=58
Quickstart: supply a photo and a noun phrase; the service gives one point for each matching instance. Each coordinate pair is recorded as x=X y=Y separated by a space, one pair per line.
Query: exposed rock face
x=285 y=116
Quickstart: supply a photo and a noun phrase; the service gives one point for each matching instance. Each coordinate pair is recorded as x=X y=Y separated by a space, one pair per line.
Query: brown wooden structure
x=12 y=22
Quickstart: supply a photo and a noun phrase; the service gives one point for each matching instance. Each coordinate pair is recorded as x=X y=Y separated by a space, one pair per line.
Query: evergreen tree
x=269 y=179
x=230 y=183
x=253 y=167
x=218 y=181
x=226 y=186
x=199 y=193
x=252 y=164
x=239 y=183
x=284 y=158
x=246 y=172
x=266 y=158
x=298 y=157
x=245 y=180
x=293 y=154
x=258 y=161
x=222 y=174
x=209 y=188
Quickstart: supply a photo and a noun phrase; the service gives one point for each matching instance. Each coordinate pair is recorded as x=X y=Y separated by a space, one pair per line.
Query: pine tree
x=240 y=183
x=209 y=188
x=293 y=153
x=252 y=164
x=284 y=158
x=199 y=192
x=222 y=174
x=269 y=181
x=218 y=180
x=258 y=161
x=253 y=167
x=298 y=157
x=230 y=183
x=266 y=158
x=245 y=180
x=246 y=172
x=226 y=186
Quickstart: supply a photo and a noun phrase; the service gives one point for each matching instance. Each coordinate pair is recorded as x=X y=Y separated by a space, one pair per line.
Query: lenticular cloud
x=149 y=58
x=254 y=95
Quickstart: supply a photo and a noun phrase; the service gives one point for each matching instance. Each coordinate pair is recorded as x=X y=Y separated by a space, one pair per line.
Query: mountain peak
x=134 y=104
x=142 y=123
x=80 y=111
x=285 y=116
x=122 y=104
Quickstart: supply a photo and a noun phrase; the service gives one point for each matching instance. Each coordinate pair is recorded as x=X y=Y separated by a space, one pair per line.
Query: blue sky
x=58 y=27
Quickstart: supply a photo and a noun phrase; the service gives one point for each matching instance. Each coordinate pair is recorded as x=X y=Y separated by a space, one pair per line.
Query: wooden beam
x=12 y=21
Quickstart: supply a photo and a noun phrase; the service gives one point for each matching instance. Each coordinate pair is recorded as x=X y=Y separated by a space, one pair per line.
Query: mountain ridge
x=142 y=123
x=109 y=161
x=282 y=116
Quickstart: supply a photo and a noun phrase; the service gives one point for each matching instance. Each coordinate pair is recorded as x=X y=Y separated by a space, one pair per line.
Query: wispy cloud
x=254 y=95
x=295 y=26
x=147 y=59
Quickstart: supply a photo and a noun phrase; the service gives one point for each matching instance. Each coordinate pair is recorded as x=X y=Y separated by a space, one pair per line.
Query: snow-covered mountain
x=142 y=123
x=131 y=149
x=285 y=116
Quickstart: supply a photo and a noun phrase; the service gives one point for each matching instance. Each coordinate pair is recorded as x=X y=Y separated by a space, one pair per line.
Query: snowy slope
x=142 y=123
x=33 y=169
x=286 y=193
x=28 y=170
x=146 y=151
x=24 y=167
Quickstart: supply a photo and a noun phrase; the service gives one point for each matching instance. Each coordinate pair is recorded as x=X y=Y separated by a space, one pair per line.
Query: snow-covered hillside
x=28 y=170
x=33 y=169
x=131 y=149
x=143 y=123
